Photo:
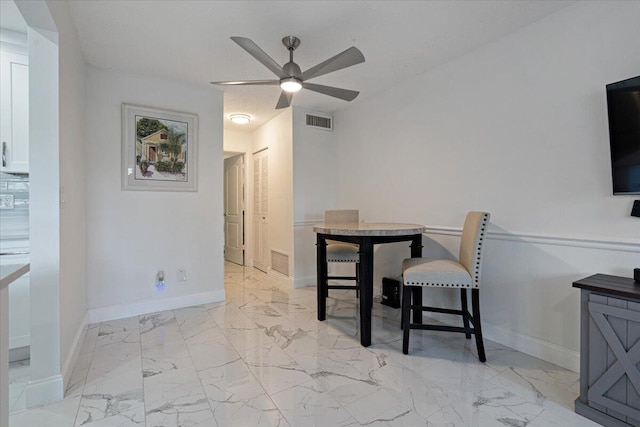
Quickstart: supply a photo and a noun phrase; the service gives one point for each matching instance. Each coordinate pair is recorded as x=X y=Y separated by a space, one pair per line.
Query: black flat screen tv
x=623 y=105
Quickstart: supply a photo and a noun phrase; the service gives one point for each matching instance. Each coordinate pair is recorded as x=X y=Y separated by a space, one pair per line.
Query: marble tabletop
x=369 y=229
x=10 y=272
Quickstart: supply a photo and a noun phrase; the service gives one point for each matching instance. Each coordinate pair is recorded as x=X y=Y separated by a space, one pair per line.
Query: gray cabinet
x=609 y=350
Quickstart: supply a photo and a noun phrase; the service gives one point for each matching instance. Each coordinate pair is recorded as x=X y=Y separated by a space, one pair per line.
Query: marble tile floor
x=261 y=358
x=18 y=379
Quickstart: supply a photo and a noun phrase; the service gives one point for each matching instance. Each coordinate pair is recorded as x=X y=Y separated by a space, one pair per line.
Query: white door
x=261 y=210
x=234 y=209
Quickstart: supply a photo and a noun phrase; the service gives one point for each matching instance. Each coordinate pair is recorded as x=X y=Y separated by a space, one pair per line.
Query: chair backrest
x=475 y=227
x=341 y=216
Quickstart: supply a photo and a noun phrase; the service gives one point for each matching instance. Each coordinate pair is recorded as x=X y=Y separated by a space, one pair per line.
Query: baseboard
x=21 y=341
x=271 y=272
x=44 y=391
x=553 y=353
x=73 y=353
x=19 y=353
x=303 y=282
x=113 y=312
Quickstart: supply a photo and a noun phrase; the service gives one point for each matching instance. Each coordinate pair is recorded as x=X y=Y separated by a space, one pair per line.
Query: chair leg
x=406 y=315
x=475 y=302
x=465 y=311
x=417 y=300
x=357 y=280
x=325 y=284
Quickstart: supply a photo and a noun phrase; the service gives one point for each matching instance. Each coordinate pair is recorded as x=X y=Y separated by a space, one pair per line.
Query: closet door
x=261 y=210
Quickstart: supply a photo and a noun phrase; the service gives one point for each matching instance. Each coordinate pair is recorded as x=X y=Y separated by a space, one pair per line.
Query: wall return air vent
x=280 y=262
x=320 y=121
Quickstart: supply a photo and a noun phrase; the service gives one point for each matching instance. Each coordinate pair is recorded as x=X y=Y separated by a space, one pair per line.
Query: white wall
x=237 y=141
x=277 y=135
x=133 y=234
x=517 y=128
x=314 y=190
x=73 y=285
x=45 y=384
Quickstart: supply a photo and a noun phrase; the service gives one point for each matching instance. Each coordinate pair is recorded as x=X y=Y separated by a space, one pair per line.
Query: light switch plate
x=182 y=275
x=6 y=201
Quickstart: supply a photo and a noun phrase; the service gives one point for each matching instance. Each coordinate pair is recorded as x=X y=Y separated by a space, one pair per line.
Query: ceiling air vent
x=320 y=121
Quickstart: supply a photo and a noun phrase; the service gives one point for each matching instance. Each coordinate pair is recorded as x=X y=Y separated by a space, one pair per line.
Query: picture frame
x=159 y=149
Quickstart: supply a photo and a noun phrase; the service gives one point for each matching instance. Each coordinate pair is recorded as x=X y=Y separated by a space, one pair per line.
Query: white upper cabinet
x=14 y=112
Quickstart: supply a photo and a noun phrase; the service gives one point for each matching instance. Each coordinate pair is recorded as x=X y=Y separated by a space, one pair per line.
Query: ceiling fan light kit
x=291 y=78
x=290 y=84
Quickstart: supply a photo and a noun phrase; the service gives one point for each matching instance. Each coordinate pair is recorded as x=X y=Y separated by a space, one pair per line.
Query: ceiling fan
x=291 y=78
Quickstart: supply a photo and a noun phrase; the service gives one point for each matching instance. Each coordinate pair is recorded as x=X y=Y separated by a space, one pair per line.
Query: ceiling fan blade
x=285 y=100
x=336 y=92
x=248 y=82
x=255 y=51
x=349 y=57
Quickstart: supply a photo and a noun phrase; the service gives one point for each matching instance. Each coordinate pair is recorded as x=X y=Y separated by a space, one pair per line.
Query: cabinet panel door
x=14 y=93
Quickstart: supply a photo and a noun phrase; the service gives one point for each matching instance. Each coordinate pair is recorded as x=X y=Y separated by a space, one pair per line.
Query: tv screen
x=623 y=104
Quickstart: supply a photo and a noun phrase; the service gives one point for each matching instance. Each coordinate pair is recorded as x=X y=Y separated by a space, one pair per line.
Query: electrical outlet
x=182 y=275
x=6 y=201
x=160 y=285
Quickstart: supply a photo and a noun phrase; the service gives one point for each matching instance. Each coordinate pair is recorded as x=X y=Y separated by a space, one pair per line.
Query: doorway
x=234 y=208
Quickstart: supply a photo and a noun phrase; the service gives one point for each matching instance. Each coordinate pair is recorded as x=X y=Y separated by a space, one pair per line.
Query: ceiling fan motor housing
x=291 y=69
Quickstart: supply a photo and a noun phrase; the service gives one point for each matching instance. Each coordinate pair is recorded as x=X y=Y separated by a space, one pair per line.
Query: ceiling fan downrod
x=291 y=68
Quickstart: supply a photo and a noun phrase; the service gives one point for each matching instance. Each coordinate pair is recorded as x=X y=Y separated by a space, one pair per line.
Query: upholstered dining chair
x=419 y=273
x=342 y=251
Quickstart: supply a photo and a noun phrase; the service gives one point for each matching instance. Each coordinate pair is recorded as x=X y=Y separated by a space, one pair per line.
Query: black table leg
x=366 y=290
x=416 y=252
x=321 y=255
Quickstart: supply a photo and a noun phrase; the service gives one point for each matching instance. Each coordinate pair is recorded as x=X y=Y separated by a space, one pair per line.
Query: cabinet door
x=14 y=99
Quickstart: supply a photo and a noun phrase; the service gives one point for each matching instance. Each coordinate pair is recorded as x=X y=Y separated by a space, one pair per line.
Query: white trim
x=545 y=350
x=307 y=222
x=14 y=42
x=73 y=353
x=14 y=37
x=271 y=272
x=574 y=242
x=624 y=245
x=21 y=341
x=122 y=311
x=44 y=391
x=558 y=355
x=304 y=282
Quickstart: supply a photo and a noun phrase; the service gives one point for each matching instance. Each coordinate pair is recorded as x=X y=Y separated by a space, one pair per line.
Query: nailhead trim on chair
x=476 y=276
x=481 y=238
x=451 y=285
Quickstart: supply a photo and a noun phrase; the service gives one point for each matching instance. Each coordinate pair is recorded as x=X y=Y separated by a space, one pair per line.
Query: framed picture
x=159 y=149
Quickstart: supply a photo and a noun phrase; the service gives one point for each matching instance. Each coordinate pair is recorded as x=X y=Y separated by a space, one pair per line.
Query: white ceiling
x=10 y=17
x=189 y=41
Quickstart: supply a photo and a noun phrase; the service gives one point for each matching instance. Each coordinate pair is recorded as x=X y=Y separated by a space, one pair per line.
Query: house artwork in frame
x=159 y=149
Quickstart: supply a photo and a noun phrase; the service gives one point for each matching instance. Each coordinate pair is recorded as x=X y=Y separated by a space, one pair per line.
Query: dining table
x=365 y=235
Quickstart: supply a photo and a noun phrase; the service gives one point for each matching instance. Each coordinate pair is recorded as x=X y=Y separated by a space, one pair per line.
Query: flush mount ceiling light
x=240 y=119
